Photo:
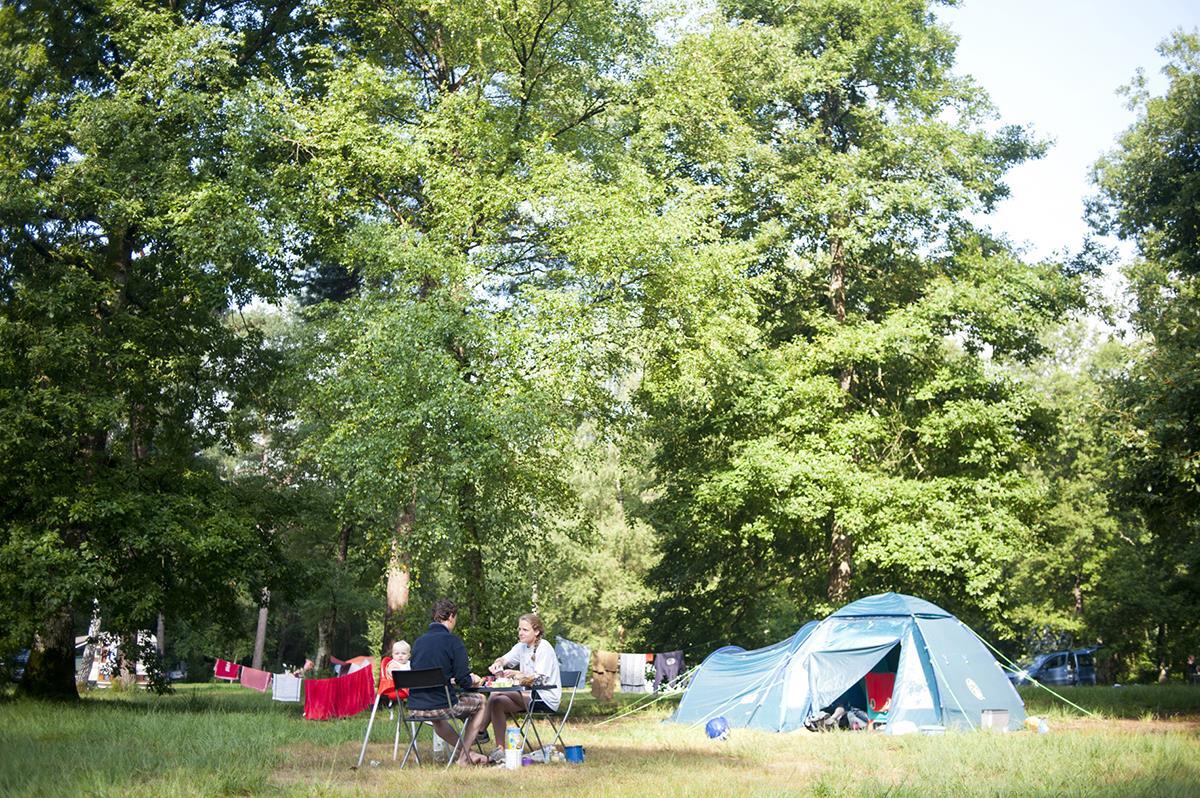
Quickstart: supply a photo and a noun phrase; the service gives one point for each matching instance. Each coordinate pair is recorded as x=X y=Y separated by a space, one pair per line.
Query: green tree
x=470 y=185
x=596 y=583
x=835 y=420
x=137 y=202
x=1148 y=195
x=1083 y=581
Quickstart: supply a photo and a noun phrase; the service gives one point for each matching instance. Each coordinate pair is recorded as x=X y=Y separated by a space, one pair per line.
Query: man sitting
x=441 y=648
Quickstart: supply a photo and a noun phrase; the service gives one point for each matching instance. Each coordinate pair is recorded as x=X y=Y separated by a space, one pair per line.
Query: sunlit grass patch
x=1143 y=701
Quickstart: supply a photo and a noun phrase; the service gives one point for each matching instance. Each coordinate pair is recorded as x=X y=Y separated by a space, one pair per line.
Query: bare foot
x=473 y=758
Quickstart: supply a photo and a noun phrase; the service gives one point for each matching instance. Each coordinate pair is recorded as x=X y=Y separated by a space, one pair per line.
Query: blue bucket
x=575 y=754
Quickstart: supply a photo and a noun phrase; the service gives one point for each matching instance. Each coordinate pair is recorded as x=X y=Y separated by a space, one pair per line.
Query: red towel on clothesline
x=339 y=697
x=256 y=679
x=227 y=670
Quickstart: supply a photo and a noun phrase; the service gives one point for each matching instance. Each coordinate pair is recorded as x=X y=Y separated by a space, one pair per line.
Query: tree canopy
x=333 y=308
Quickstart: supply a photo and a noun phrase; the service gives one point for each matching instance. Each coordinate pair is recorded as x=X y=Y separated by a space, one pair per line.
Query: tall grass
x=225 y=740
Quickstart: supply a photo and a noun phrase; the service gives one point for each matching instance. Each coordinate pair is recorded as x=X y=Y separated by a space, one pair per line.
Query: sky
x=1057 y=65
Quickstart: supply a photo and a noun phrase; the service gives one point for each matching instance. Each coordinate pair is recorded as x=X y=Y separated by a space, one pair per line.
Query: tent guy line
x=644 y=704
x=1012 y=666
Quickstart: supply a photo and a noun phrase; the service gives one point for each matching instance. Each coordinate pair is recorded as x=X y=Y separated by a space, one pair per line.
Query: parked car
x=1075 y=667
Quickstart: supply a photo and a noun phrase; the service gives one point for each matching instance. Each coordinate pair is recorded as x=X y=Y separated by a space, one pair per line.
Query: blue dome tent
x=940 y=672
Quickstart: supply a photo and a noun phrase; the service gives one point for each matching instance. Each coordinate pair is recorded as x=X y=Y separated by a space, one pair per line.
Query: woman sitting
x=531 y=661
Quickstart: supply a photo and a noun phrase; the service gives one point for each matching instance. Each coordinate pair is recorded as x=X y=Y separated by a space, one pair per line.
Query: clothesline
x=336 y=697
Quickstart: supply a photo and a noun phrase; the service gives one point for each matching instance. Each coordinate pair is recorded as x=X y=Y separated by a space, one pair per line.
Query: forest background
x=680 y=329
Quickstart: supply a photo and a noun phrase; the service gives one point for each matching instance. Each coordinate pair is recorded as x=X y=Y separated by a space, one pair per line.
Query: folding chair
x=537 y=709
x=424 y=679
x=391 y=693
x=879 y=697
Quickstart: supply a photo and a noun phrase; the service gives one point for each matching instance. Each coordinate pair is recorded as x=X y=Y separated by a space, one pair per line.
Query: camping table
x=487 y=691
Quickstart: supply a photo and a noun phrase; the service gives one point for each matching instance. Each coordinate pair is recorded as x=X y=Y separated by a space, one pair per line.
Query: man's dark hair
x=443 y=609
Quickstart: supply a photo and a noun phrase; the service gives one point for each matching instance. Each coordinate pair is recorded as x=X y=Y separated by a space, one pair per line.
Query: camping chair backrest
x=879 y=694
x=423 y=679
x=571 y=678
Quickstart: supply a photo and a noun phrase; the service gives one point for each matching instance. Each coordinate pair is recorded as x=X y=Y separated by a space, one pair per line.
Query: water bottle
x=439 y=748
x=1043 y=726
x=513 y=745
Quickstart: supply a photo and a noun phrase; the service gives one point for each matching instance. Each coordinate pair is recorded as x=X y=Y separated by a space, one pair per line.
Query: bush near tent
x=943 y=675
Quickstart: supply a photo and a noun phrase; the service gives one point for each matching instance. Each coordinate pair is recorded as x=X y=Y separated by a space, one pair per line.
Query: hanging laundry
x=667 y=667
x=318 y=698
x=255 y=679
x=356 y=693
x=285 y=687
x=605 y=666
x=227 y=670
x=633 y=673
x=339 y=697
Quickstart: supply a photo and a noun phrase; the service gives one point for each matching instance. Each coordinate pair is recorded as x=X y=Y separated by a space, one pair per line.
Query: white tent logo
x=974 y=688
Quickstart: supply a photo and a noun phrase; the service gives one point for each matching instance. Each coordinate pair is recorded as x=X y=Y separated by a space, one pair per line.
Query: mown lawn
x=225 y=740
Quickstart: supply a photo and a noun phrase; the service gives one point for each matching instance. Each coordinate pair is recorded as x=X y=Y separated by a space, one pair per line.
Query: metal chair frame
x=426 y=678
x=567 y=677
x=399 y=716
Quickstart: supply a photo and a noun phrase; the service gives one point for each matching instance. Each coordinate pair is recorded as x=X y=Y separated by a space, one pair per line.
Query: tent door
x=874 y=690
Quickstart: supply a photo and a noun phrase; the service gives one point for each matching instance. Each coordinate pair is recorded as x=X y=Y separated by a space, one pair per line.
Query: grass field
x=225 y=740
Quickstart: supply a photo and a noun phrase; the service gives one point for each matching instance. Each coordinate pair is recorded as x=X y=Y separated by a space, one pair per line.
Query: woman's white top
x=542 y=662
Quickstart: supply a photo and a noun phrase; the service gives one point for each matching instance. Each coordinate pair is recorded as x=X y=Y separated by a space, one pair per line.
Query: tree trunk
x=89 y=648
x=841 y=553
x=126 y=673
x=1077 y=594
x=260 y=636
x=1160 y=650
x=50 y=672
x=837 y=280
x=161 y=637
x=324 y=640
x=399 y=576
x=343 y=549
x=841 y=545
x=327 y=625
x=476 y=586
